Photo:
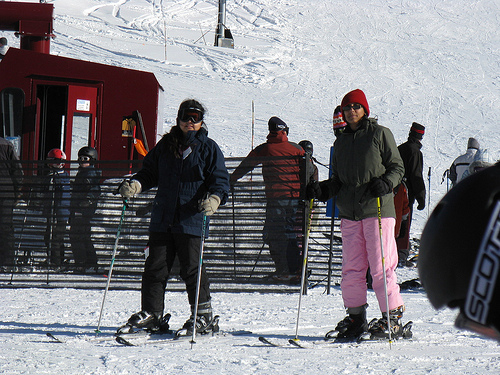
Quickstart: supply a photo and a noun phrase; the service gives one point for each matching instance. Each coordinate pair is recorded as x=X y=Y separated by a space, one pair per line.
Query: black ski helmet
x=307 y=146
x=88 y=151
x=276 y=124
x=459 y=256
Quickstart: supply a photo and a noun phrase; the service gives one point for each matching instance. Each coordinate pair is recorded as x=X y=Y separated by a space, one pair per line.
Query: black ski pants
x=163 y=248
x=82 y=245
x=7 y=240
x=282 y=229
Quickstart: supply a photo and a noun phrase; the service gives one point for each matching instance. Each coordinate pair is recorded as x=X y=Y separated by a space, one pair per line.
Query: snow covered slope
x=436 y=62
x=431 y=61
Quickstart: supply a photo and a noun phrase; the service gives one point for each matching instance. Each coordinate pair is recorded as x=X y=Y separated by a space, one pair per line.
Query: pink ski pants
x=360 y=250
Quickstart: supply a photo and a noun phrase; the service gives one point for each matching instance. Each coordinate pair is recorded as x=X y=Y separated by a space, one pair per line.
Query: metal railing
x=235 y=255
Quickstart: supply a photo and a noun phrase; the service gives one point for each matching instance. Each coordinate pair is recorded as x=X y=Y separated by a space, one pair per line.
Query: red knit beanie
x=356 y=96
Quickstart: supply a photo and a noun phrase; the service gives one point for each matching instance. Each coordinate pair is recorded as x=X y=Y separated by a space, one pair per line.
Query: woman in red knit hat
x=366 y=165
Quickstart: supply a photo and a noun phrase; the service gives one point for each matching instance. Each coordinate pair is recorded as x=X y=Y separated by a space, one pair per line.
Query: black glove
x=313 y=190
x=421 y=205
x=380 y=186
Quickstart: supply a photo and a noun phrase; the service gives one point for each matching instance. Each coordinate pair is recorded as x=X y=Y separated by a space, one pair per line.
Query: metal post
x=221 y=21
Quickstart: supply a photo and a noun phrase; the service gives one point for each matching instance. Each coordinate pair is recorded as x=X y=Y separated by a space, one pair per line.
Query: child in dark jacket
x=85 y=193
x=55 y=205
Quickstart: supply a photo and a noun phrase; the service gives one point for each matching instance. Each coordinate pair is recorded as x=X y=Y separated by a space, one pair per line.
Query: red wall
x=123 y=92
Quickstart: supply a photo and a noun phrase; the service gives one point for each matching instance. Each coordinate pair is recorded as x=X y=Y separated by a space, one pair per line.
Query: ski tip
x=122 y=341
x=296 y=342
x=50 y=335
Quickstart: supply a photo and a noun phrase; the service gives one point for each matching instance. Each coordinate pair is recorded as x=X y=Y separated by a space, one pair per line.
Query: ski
x=66 y=337
x=172 y=338
x=354 y=342
x=129 y=340
x=274 y=343
x=317 y=344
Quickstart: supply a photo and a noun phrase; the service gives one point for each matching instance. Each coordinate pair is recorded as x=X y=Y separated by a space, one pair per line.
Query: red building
x=56 y=102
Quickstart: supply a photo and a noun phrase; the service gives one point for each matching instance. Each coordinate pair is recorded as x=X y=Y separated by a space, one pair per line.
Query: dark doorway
x=53 y=108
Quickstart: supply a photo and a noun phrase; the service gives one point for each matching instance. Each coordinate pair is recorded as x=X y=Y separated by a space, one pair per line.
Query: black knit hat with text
x=276 y=124
x=417 y=131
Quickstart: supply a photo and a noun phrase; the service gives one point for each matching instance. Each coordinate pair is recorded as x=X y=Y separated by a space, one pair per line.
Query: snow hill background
x=434 y=62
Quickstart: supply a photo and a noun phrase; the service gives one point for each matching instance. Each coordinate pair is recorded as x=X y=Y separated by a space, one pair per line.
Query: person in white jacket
x=481 y=161
x=461 y=163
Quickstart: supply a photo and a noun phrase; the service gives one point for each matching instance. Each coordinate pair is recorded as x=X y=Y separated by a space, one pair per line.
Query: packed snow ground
x=431 y=61
x=26 y=314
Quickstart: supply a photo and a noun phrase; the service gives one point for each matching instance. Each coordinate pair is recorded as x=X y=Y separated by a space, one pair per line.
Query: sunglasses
x=191 y=114
x=355 y=106
x=84 y=158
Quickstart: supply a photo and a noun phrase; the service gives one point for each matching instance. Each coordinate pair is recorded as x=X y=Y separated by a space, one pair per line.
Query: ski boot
x=143 y=320
x=204 y=326
x=378 y=328
x=351 y=327
x=205 y=323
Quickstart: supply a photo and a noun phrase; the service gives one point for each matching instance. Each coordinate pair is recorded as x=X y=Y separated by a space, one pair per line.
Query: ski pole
x=113 y=257
x=446 y=175
x=256 y=261
x=304 y=265
x=234 y=232
x=330 y=248
x=379 y=215
x=429 y=199
x=198 y=281
x=17 y=252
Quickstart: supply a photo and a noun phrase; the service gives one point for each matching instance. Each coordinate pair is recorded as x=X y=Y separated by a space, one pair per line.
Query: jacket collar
x=277 y=137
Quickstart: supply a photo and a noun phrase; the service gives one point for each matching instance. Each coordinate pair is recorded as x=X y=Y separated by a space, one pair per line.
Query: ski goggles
x=354 y=106
x=191 y=114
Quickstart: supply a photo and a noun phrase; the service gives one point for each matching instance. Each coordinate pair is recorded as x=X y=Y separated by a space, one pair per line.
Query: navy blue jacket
x=183 y=181
x=57 y=194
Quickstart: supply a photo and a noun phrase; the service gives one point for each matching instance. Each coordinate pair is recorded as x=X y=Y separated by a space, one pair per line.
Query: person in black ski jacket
x=413 y=161
x=189 y=170
x=11 y=176
x=85 y=192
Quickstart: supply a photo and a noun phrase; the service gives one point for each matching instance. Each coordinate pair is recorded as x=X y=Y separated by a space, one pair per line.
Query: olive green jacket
x=358 y=157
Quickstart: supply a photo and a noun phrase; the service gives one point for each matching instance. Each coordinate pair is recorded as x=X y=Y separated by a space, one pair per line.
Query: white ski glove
x=209 y=205
x=129 y=188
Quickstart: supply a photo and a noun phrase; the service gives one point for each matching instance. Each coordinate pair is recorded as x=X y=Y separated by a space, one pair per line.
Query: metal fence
x=235 y=255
